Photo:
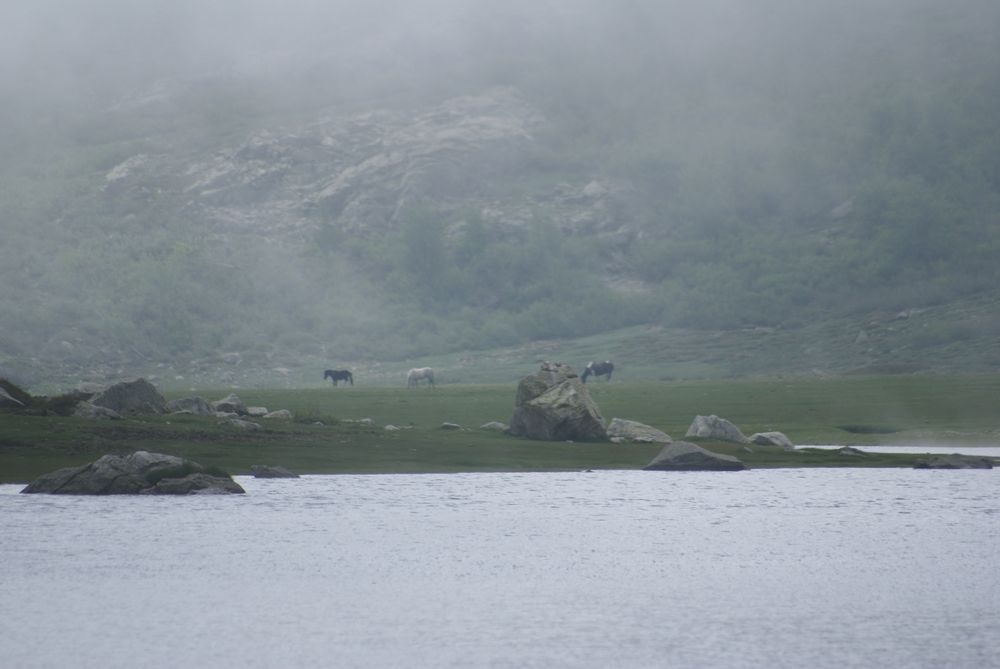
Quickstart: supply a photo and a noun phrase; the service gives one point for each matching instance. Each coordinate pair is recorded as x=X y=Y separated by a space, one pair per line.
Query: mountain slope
x=548 y=172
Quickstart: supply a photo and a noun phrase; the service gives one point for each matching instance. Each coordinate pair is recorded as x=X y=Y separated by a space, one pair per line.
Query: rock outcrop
x=713 y=427
x=685 y=456
x=554 y=405
x=139 y=396
x=139 y=473
x=351 y=172
x=636 y=432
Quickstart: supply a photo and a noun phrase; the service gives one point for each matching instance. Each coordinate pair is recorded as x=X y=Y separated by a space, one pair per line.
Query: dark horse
x=598 y=369
x=339 y=375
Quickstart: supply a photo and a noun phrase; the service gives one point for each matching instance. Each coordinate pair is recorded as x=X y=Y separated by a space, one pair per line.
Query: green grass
x=323 y=438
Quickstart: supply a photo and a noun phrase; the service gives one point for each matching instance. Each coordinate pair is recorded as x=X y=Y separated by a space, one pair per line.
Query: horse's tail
x=587 y=371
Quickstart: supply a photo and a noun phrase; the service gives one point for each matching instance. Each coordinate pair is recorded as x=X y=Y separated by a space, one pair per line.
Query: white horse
x=414 y=375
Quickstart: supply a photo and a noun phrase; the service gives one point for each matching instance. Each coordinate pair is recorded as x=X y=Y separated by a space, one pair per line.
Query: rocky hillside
x=356 y=173
x=507 y=175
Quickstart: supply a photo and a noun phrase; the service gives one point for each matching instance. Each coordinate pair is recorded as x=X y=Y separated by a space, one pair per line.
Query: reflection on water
x=776 y=568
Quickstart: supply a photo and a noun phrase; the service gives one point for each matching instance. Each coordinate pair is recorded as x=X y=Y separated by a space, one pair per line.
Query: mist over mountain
x=382 y=180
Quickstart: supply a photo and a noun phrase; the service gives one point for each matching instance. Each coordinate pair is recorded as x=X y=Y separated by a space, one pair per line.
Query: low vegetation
x=832 y=162
x=330 y=436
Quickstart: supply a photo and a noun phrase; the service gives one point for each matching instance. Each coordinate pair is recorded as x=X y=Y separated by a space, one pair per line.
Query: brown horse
x=339 y=375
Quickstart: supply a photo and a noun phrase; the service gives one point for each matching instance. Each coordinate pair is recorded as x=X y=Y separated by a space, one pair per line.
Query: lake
x=765 y=568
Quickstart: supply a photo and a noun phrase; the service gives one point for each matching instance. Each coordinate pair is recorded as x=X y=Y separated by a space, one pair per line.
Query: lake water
x=764 y=568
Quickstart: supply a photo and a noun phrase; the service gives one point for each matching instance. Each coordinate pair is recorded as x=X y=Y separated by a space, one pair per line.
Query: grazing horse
x=339 y=375
x=414 y=375
x=598 y=369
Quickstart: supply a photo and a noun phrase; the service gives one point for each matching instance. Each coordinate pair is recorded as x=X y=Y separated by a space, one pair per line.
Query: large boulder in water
x=139 y=396
x=713 y=427
x=139 y=473
x=685 y=456
x=554 y=405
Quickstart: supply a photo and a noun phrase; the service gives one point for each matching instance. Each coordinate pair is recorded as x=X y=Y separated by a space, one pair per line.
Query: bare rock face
x=685 y=456
x=713 y=427
x=141 y=473
x=359 y=172
x=139 y=396
x=554 y=405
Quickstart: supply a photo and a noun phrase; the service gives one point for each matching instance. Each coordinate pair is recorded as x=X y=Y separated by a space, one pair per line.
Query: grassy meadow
x=327 y=437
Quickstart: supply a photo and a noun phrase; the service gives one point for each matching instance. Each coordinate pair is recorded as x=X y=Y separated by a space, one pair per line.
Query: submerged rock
x=141 y=472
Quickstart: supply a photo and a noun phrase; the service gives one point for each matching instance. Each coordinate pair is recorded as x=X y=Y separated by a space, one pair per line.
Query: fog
x=106 y=47
x=645 y=157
